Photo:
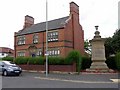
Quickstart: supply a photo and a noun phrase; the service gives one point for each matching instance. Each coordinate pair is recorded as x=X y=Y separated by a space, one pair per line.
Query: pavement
x=83 y=77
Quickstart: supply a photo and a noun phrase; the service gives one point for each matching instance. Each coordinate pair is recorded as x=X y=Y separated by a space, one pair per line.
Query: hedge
x=56 y=60
x=36 y=60
x=30 y=60
x=41 y=60
x=21 y=60
x=117 y=60
x=7 y=58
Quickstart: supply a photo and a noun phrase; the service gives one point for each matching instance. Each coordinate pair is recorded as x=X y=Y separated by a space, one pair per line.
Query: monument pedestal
x=98 y=54
x=100 y=67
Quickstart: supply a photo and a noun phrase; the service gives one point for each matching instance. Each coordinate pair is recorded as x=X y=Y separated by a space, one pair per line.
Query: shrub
x=75 y=56
x=56 y=60
x=0 y=59
x=111 y=63
x=21 y=60
x=30 y=60
x=39 y=61
x=36 y=60
x=7 y=58
x=86 y=63
x=67 y=61
x=117 y=59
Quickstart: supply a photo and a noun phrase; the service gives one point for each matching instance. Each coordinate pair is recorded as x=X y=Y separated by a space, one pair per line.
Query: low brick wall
x=33 y=67
x=62 y=68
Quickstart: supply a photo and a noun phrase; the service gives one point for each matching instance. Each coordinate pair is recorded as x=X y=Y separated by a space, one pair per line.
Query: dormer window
x=35 y=38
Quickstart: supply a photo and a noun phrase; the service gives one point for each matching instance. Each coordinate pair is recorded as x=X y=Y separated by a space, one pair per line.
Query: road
x=39 y=80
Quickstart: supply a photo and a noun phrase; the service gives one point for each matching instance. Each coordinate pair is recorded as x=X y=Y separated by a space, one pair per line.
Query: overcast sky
x=92 y=12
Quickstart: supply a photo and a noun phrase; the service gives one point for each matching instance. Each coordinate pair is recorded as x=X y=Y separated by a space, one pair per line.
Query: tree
x=112 y=44
x=116 y=41
x=109 y=47
x=87 y=46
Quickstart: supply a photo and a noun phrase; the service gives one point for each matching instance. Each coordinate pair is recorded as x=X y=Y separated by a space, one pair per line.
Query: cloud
x=92 y=12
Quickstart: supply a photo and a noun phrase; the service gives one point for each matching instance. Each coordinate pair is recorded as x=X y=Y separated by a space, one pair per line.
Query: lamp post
x=46 y=53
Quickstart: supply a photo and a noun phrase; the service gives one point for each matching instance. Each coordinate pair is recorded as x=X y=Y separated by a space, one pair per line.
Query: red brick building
x=5 y=51
x=64 y=34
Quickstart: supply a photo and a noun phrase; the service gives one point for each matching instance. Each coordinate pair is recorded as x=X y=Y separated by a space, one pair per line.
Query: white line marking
x=116 y=80
x=75 y=81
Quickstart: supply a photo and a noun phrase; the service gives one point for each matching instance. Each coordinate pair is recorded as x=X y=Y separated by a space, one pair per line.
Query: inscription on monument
x=98 y=53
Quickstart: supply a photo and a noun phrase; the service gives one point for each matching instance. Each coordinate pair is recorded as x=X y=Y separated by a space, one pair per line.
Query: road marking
x=75 y=81
x=116 y=80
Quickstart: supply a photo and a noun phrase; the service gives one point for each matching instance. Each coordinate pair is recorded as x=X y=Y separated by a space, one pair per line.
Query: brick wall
x=62 y=68
x=70 y=37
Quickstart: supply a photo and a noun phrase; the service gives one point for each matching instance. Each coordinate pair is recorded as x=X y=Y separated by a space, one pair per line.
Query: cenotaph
x=98 y=53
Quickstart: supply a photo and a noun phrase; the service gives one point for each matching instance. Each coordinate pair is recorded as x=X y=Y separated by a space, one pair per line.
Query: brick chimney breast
x=29 y=21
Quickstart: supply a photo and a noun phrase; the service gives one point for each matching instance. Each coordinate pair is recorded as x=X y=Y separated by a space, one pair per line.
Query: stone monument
x=98 y=53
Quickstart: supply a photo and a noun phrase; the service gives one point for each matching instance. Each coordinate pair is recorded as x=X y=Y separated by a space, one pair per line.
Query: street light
x=46 y=53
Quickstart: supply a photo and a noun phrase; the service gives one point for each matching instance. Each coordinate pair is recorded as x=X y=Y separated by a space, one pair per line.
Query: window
x=21 y=40
x=53 y=36
x=21 y=53
x=39 y=52
x=54 y=52
x=35 y=38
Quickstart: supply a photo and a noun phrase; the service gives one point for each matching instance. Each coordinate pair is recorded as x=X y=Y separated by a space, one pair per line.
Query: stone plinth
x=98 y=54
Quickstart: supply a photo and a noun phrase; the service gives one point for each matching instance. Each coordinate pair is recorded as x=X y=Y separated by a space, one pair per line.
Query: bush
x=30 y=60
x=21 y=60
x=117 y=59
x=7 y=58
x=56 y=60
x=67 y=61
x=75 y=56
x=111 y=63
x=0 y=59
x=36 y=60
x=86 y=63
x=39 y=60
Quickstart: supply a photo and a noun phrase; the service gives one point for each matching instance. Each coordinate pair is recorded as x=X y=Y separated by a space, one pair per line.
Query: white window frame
x=21 y=54
x=53 y=36
x=39 y=52
x=35 y=38
x=54 y=52
x=21 y=40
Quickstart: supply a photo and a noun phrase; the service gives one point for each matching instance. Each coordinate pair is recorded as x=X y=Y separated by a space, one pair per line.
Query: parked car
x=9 y=68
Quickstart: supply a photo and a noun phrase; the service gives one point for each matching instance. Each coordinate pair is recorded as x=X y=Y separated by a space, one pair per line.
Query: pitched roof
x=6 y=50
x=53 y=24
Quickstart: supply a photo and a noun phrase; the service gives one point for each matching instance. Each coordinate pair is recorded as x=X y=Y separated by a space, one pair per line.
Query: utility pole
x=46 y=38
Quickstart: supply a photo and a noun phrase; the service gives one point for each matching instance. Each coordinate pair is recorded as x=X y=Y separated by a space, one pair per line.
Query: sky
x=103 y=13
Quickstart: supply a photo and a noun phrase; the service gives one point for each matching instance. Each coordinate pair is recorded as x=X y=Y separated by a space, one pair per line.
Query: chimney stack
x=29 y=21
x=74 y=10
